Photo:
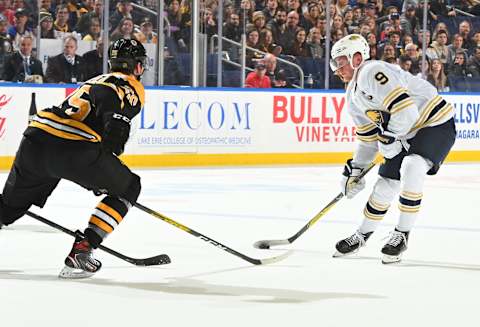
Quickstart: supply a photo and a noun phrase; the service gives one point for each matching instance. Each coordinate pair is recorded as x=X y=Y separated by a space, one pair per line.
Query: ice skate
x=395 y=246
x=80 y=263
x=351 y=244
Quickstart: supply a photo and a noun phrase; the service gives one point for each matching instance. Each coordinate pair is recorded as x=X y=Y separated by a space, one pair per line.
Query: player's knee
x=133 y=190
x=8 y=215
x=385 y=190
x=414 y=166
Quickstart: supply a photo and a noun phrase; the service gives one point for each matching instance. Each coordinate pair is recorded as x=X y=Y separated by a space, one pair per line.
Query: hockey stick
x=161 y=259
x=266 y=244
x=211 y=241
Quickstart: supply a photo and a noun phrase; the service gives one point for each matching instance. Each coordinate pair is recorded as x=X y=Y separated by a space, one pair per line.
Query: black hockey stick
x=161 y=259
x=266 y=244
x=213 y=242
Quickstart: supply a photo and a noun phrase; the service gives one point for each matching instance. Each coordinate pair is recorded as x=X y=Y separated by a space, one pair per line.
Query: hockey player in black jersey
x=79 y=141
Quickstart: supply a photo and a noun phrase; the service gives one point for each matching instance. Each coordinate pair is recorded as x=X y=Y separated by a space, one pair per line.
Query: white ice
x=437 y=284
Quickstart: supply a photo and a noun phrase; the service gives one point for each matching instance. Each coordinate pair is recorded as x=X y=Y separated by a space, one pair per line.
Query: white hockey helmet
x=348 y=46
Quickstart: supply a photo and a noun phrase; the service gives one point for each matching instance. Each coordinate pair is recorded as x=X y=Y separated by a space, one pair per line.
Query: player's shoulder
x=373 y=69
x=122 y=84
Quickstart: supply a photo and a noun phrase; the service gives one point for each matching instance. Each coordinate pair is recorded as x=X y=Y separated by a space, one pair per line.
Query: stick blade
x=161 y=259
x=267 y=244
x=275 y=259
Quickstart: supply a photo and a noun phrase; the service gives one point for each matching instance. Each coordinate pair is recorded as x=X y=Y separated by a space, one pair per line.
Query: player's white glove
x=388 y=145
x=350 y=188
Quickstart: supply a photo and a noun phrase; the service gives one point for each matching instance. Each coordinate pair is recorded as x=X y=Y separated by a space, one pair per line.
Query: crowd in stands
x=292 y=30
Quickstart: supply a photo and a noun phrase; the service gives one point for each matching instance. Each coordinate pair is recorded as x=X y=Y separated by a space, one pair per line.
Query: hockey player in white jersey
x=402 y=117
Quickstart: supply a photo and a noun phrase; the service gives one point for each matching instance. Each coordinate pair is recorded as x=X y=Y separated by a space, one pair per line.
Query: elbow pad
x=116 y=133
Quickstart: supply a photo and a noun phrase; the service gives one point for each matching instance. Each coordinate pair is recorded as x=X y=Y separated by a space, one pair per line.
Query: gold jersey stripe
x=392 y=95
x=366 y=128
x=378 y=206
x=402 y=105
x=69 y=122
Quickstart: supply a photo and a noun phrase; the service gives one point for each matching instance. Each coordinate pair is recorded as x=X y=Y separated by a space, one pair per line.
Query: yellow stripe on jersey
x=408 y=209
x=64 y=128
x=393 y=95
x=435 y=112
x=367 y=133
x=402 y=105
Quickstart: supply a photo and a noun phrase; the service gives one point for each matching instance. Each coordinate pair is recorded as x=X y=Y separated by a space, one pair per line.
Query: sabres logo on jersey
x=375 y=116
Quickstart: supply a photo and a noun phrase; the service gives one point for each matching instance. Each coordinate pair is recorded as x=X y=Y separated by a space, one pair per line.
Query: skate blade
x=389 y=259
x=338 y=254
x=72 y=273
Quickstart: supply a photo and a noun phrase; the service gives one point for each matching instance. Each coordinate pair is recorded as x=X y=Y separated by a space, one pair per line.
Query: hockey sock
x=377 y=206
x=106 y=216
x=413 y=171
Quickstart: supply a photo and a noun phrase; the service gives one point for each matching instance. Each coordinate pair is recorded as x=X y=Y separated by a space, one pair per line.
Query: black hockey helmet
x=124 y=54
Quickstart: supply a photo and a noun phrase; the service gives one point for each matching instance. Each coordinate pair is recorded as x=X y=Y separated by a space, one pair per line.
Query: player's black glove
x=115 y=134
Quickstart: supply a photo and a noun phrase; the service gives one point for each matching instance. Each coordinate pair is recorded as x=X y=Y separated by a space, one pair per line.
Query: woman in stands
x=94 y=30
x=266 y=43
x=437 y=76
x=300 y=47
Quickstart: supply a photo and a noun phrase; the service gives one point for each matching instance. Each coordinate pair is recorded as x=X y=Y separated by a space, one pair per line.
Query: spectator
x=61 y=23
x=438 y=49
x=147 y=35
x=21 y=66
x=291 y=30
x=473 y=63
x=67 y=67
x=437 y=76
x=278 y=27
x=337 y=35
x=124 y=30
x=46 y=5
x=409 y=21
x=405 y=62
x=464 y=30
x=266 y=44
x=388 y=53
x=338 y=24
x=85 y=20
x=277 y=76
x=373 y=52
x=459 y=67
x=258 y=21
x=252 y=42
x=270 y=10
x=46 y=26
x=246 y=11
x=94 y=30
x=439 y=27
x=457 y=45
x=5 y=52
x=7 y=13
x=258 y=78
x=411 y=50
x=311 y=16
x=232 y=29
x=342 y=6
x=314 y=42
x=20 y=28
x=123 y=10
x=209 y=23
x=93 y=61
x=420 y=39
x=300 y=47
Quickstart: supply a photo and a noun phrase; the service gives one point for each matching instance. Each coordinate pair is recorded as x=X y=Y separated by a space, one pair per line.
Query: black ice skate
x=351 y=244
x=394 y=247
x=80 y=263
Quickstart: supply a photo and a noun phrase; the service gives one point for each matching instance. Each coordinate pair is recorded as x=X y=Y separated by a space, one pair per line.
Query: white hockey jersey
x=382 y=96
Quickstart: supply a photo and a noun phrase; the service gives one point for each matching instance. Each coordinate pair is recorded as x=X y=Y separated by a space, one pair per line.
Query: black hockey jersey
x=83 y=114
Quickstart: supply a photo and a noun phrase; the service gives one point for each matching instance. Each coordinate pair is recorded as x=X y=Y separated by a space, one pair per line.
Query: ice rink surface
x=437 y=284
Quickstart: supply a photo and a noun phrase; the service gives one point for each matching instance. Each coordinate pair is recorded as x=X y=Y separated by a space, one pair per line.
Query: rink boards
x=209 y=126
